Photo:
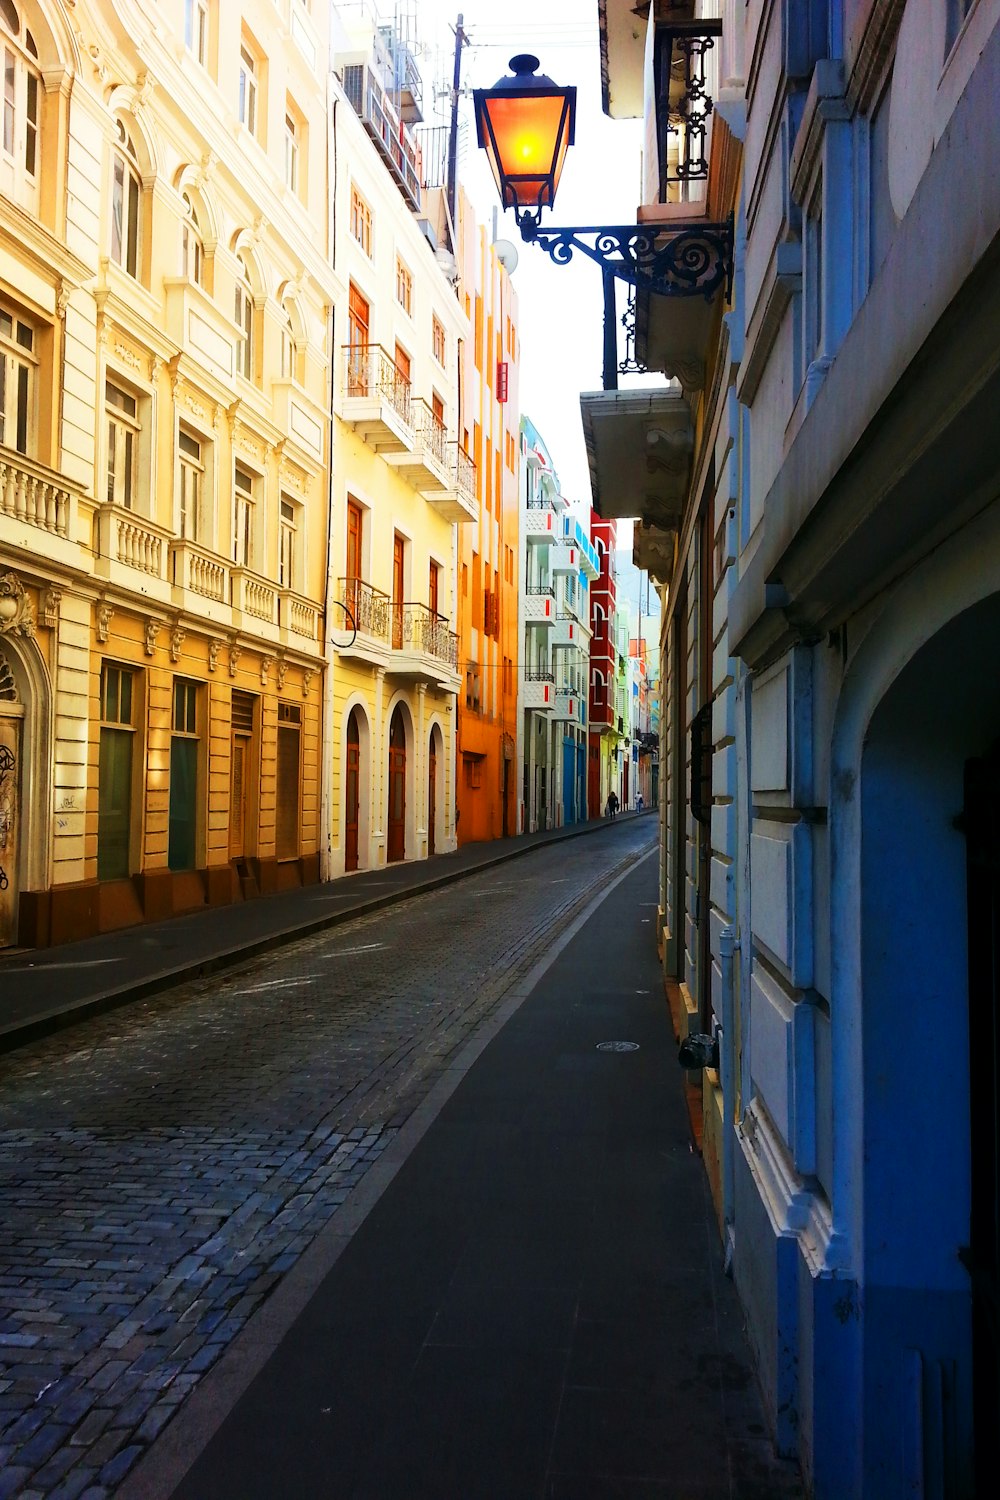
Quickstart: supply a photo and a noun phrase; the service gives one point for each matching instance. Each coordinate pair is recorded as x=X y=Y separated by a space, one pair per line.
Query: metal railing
x=539 y=674
x=369 y=607
x=431 y=431
x=371 y=372
x=415 y=627
x=465 y=472
x=369 y=101
x=540 y=588
x=683 y=103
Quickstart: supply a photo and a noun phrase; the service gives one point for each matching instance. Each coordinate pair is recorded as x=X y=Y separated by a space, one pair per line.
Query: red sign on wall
x=502 y=380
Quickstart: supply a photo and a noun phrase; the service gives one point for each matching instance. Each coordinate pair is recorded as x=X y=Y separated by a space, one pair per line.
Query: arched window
x=126 y=201
x=19 y=156
x=244 y=322
x=192 y=249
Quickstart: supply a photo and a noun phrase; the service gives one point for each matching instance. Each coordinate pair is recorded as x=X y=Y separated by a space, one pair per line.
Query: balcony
x=590 y=563
x=569 y=706
x=564 y=558
x=540 y=525
x=458 y=501
x=423 y=646
x=394 y=142
x=639 y=446
x=377 y=401
x=369 y=608
x=253 y=597
x=132 y=551
x=34 y=496
x=567 y=632
x=200 y=580
x=539 y=689
x=298 y=616
x=539 y=604
x=425 y=465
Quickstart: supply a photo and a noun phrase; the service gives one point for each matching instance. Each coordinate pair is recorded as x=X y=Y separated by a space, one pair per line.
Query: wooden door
x=358 y=322
x=352 y=800
x=397 y=789
x=431 y=796
x=403 y=363
x=10 y=777
x=434 y=588
x=354 y=538
x=240 y=771
x=397 y=591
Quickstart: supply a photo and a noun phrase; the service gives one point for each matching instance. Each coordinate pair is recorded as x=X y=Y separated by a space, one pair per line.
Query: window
x=361 y=221
x=17 y=381
x=287 y=544
x=244 y=487
x=813 y=280
x=403 y=364
x=196 y=29
x=244 y=322
x=438 y=340
x=21 y=94
x=404 y=287
x=192 y=485
x=292 y=140
x=114 y=774
x=434 y=588
x=192 y=251
x=126 y=197
x=123 y=444
x=249 y=76
x=287 y=345
x=183 y=814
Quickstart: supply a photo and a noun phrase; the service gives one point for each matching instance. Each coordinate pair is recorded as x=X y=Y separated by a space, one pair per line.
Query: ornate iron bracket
x=672 y=261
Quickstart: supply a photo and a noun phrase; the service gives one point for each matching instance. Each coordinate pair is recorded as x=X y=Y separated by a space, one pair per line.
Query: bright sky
x=561 y=307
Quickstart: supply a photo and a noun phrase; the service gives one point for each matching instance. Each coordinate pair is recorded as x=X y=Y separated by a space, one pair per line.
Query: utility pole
x=460 y=41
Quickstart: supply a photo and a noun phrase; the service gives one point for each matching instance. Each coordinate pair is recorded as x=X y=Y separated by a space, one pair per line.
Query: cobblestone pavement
x=162 y=1167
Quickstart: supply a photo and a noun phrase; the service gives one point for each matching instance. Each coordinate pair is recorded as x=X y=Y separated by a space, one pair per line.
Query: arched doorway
x=11 y=716
x=928 y=1082
x=397 y=788
x=352 y=799
x=431 y=795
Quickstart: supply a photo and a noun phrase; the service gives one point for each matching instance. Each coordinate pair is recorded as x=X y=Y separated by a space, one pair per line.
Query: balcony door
x=354 y=539
x=431 y=795
x=398 y=559
x=397 y=788
x=240 y=770
x=10 y=774
x=352 y=801
x=358 y=324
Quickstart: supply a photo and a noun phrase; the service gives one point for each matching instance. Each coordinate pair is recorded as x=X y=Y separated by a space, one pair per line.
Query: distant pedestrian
x=639 y=802
x=612 y=806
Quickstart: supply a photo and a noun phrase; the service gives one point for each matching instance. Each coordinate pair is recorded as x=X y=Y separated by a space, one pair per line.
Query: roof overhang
x=623 y=46
x=639 y=446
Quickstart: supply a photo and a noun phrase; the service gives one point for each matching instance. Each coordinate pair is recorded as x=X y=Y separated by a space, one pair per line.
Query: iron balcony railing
x=369 y=607
x=371 y=372
x=540 y=588
x=539 y=674
x=415 y=627
x=369 y=101
x=684 y=104
x=465 y=472
x=431 y=431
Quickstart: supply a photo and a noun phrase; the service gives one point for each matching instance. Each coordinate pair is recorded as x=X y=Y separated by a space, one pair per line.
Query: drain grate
x=618 y=1046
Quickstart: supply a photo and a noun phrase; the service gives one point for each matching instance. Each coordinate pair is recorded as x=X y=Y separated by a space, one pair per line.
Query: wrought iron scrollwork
x=630 y=365
x=7 y=764
x=691 y=261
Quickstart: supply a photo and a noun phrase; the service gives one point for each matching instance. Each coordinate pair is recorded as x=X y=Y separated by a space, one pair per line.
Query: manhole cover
x=618 y=1046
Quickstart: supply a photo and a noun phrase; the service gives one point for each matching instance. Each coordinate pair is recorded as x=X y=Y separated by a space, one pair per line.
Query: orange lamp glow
x=526 y=124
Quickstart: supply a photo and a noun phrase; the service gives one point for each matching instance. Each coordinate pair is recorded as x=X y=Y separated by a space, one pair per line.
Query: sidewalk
x=44 y=989
x=531 y=1306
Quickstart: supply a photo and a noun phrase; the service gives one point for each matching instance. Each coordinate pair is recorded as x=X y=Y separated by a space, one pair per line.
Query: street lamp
x=526 y=124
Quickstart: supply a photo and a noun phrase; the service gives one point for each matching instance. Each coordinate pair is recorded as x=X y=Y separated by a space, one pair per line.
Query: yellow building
x=401 y=477
x=488 y=551
x=165 y=296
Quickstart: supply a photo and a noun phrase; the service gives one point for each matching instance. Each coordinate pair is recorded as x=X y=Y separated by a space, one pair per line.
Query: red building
x=603 y=735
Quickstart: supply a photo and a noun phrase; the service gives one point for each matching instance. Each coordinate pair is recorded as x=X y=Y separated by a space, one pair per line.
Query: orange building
x=487 y=549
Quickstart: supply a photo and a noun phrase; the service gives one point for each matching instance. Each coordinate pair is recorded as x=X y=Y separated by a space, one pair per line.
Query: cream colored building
x=165 y=314
x=400 y=481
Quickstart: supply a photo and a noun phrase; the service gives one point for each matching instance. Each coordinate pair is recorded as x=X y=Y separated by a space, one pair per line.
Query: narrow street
x=163 y=1166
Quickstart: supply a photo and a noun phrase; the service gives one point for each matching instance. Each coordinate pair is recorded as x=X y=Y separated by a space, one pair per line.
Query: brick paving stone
x=144 y=1225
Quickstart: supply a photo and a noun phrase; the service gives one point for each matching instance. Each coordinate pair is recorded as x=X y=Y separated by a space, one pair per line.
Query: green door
x=183 y=802
x=114 y=804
